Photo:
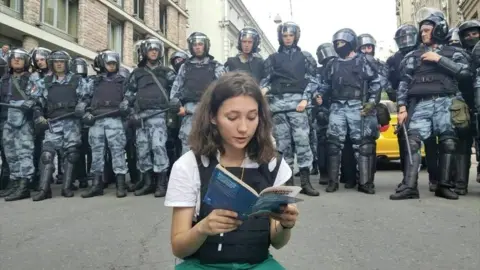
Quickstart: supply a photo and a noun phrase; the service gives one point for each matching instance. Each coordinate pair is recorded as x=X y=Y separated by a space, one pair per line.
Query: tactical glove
x=367 y=108
x=124 y=107
x=88 y=119
x=27 y=105
x=80 y=109
x=134 y=120
x=41 y=124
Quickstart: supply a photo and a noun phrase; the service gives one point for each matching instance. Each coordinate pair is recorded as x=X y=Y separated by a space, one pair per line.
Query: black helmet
x=406 y=37
x=347 y=35
x=325 y=52
x=246 y=33
x=288 y=27
x=137 y=46
x=435 y=17
x=109 y=57
x=453 y=39
x=19 y=53
x=152 y=44
x=198 y=37
x=79 y=66
x=39 y=51
x=464 y=28
x=178 y=55
x=366 y=39
x=59 y=56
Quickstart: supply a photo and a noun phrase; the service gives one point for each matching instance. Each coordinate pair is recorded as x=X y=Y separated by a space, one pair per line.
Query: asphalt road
x=345 y=230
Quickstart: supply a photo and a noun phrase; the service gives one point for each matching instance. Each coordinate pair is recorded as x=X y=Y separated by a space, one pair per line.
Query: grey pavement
x=344 y=230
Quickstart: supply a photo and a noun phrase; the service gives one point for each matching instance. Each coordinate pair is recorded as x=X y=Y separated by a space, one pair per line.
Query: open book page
x=291 y=191
x=233 y=177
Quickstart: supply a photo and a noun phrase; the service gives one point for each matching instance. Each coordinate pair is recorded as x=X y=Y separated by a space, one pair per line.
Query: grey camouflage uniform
x=292 y=125
x=107 y=132
x=18 y=134
x=66 y=133
x=151 y=139
x=176 y=92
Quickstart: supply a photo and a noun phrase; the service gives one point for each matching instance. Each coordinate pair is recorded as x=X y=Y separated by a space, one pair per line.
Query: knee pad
x=366 y=148
x=448 y=146
x=47 y=157
x=415 y=143
x=72 y=154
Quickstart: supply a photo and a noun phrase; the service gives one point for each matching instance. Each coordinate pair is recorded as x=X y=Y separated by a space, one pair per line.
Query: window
x=136 y=37
x=138 y=9
x=16 y=5
x=118 y=2
x=115 y=36
x=61 y=14
x=163 y=19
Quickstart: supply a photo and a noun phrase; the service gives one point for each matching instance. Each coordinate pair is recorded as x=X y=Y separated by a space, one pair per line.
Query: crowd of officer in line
x=328 y=115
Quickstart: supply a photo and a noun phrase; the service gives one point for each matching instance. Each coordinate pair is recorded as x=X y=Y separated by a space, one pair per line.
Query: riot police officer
x=63 y=101
x=429 y=87
x=290 y=81
x=177 y=59
x=193 y=78
x=353 y=84
x=248 y=59
x=325 y=54
x=146 y=91
x=17 y=136
x=5 y=184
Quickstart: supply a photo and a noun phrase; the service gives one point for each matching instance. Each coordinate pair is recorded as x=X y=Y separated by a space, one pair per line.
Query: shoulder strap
x=162 y=89
x=271 y=176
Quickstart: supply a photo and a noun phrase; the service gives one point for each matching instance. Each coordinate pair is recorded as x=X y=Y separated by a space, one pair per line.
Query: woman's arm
x=279 y=236
x=186 y=239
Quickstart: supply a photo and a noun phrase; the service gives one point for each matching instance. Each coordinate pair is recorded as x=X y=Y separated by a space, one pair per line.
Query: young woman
x=232 y=127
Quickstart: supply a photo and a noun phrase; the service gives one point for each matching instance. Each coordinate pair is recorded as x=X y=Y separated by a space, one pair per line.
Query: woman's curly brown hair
x=206 y=140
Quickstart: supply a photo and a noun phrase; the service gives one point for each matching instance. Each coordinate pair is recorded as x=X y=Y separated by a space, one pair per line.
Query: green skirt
x=194 y=264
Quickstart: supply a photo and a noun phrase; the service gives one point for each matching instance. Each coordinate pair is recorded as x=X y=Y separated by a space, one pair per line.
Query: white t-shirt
x=184 y=184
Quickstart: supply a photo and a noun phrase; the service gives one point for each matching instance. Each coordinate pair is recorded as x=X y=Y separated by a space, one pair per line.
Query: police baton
x=291 y=110
x=58 y=118
x=7 y=105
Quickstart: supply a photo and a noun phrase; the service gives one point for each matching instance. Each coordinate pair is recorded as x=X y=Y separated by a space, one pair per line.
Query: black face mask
x=470 y=43
x=343 y=51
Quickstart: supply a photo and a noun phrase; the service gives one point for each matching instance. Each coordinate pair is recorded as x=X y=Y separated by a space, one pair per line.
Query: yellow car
x=387 y=143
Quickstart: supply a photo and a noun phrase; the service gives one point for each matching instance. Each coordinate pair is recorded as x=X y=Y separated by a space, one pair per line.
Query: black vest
x=254 y=67
x=289 y=73
x=149 y=95
x=198 y=77
x=61 y=98
x=251 y=241
x=9 y=92
x=347 y=79
x=430 y=79
x=107 y=94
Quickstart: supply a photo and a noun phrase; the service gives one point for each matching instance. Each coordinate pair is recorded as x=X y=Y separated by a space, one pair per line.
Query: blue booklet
x=226 y=191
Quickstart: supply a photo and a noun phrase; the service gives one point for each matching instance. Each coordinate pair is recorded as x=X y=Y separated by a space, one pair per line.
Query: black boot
x=365 y=181
x=9 y=189
x=333 y=165
x=139 y=184
x=60 y=169
x=68 y=168
x=445 y=187
x=45 y=192
x=307 y=188
x=5 y=174
x=96 y=189
x=323 y=178
x=314 y=170
x=22 y=192
x=462 y=164
x=409 y=188
x=121 y=186
x=162 y=184
x=149 y=186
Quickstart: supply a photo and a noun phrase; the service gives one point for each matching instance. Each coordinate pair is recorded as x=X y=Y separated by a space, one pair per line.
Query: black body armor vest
x=347 y=79
x=10 y=92
x=61 y=98
x=107 y=94
x=430 y=79
x=254 y=67
x=289 y=73
x=149 y=95
x=251 y=241
x=198 y=77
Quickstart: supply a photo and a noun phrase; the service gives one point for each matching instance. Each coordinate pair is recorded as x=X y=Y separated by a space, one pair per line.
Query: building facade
x=406 y=9
x=469 y=9
x=221 y=21
x=84 y=27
